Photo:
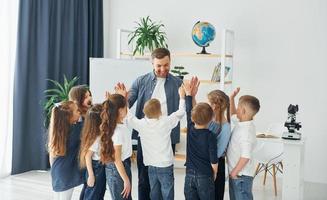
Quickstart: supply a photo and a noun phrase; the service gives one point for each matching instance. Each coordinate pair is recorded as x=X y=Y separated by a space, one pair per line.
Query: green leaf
x=58 y=93
x=147 y=35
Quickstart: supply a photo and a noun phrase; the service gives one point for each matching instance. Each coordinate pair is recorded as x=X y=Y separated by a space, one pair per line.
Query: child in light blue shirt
x=219 y=102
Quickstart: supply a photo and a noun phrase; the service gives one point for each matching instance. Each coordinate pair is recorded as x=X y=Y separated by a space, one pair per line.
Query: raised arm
x=232 y=101
x=176 y=116
x=188 y=104
x=133 y=122
x=195 y=83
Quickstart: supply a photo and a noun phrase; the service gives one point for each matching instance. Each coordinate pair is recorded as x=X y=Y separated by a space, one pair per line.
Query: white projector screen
x=105 y=73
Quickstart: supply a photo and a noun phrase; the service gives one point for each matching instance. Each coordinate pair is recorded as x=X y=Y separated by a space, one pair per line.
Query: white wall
x=280 y=54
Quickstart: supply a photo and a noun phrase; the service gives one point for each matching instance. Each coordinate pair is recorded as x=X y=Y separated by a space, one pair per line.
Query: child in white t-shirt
x=116 y=146
x=95 y=186
x=154 y=131
x=241 y=146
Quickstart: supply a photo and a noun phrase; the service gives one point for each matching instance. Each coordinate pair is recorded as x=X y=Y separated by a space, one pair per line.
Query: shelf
x=180 y=54
x=180 y=157
x=195 y=55
x=212 y=82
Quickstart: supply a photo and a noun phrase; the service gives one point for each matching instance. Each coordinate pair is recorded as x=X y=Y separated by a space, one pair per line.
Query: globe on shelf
x=203 y=33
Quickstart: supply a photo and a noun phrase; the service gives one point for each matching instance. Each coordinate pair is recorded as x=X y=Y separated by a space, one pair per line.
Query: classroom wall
x=280 y=55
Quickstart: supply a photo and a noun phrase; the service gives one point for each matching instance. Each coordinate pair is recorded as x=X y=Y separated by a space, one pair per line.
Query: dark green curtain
x=55 y=38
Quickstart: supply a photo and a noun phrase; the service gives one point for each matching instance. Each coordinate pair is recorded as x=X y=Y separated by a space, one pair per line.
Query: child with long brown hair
x=82 y=96
x=116 y=147
x=63 y=145
x=220 y=125
x=90 y=155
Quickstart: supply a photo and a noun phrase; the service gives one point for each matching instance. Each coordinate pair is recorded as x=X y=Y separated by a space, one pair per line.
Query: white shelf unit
x=225 y=57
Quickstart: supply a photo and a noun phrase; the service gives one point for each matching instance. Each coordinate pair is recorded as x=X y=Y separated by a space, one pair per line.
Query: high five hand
x=121 y=89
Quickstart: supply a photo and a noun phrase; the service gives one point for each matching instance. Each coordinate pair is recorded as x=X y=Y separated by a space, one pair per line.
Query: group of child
x=98 y=138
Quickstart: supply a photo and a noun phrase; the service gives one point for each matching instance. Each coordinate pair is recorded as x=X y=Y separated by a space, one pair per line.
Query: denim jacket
x=142 y=90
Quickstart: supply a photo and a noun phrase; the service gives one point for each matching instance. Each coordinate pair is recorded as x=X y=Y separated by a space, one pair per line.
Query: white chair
x=269 y=155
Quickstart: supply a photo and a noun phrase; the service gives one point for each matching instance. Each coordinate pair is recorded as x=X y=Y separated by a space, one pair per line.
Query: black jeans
x=220 y=180
x=143 y=184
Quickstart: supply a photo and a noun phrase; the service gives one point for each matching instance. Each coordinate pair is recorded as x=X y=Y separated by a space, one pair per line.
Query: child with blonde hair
x=241 y=146
x=201 y=151
x=154 y=132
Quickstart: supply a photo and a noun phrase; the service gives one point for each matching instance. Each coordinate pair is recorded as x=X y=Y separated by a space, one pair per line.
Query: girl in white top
x=116 y=146
x=90 y=155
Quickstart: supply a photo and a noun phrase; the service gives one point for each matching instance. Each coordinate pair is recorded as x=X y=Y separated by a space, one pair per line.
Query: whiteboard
x=105 y=73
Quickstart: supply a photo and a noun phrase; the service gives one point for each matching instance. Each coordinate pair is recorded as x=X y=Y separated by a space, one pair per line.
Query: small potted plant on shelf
x=148 y=36
x=179 y=71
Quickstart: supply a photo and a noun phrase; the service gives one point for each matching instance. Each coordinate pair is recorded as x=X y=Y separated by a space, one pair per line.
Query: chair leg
x=265 y=176
x=257 y=169
x=281 y=164
x=274 y=179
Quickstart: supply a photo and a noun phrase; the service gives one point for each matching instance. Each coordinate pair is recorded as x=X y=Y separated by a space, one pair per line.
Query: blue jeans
x=99 y=188
x=115 y=182
x=241 y=188
x=198 y=186
x=161 y=182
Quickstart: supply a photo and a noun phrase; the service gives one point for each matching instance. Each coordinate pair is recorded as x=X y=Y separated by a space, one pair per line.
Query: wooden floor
x=36 y=185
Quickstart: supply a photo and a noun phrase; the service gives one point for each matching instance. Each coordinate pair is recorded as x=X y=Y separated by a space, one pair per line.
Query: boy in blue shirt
x=201 y=157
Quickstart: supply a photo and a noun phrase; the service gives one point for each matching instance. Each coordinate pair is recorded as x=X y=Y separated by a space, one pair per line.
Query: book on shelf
x=266 y=135
x=216 y=72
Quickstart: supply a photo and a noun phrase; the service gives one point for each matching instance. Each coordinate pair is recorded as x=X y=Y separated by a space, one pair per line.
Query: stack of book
x=216 y=72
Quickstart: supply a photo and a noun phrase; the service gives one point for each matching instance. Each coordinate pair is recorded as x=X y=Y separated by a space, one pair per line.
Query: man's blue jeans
x=198 y=186
x=241 y=188
x=161 y=182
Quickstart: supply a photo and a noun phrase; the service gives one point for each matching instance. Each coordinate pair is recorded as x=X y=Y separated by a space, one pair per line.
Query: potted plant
x=179 y=71
x=55 y=95
x=148 y=36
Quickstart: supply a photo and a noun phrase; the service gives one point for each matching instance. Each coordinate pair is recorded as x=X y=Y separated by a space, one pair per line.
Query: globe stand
x=203 y=51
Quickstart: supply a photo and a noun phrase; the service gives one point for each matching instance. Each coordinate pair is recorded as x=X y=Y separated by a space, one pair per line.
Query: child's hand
x=121 y=89
x=187 y=88
x=235 y=92
x=107 y=94
x=181 y=92
x=194 y=86
x=233 y=174
x=214 y=176
x=127 y=189
x=90 y=181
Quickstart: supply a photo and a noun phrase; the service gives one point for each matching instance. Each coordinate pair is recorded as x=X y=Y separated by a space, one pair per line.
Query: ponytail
x=59 y=127
x=221 y=101
x=107 y=127
x=90 y=132
x=109 y=117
